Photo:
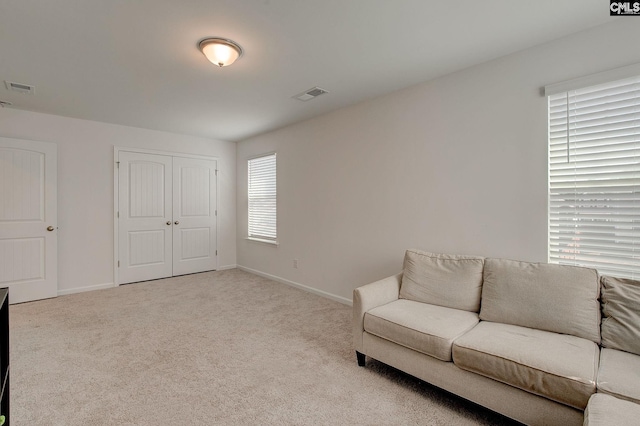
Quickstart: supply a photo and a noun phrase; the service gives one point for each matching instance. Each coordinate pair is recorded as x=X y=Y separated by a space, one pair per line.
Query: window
x=262 y=198
x=594 y=177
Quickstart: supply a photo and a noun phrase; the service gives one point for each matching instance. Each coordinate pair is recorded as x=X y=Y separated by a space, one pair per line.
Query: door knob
x=50 y=228
x=176 y=222
x=168 y=222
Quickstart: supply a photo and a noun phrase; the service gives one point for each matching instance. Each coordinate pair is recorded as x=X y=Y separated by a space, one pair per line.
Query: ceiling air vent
x=310 y=94
x=20 y=87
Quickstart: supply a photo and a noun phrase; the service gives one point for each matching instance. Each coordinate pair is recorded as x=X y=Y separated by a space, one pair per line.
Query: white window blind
x=262 y=198
x=594 y=177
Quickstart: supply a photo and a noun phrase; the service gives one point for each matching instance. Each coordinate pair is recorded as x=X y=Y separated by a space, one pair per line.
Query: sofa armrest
x=368 y=297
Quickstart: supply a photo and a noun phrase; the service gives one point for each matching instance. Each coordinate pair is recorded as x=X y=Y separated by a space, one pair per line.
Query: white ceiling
x=136 y=62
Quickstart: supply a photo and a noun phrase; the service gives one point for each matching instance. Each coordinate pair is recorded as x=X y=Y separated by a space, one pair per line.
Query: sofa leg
x=361 y=359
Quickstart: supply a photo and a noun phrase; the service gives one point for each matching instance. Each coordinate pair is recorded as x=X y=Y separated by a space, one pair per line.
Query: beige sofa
x=522 y=339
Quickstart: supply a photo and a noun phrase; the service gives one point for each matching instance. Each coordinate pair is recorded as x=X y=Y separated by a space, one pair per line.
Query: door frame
x=116 y=193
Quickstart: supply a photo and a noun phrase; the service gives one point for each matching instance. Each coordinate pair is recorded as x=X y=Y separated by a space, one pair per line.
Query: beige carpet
x=218 y=348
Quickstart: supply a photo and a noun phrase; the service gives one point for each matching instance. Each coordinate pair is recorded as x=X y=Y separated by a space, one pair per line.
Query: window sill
x=261 y=241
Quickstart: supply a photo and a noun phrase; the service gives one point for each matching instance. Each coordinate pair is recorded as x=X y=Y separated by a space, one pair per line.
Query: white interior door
x=28 y=219
x=194 y=215
x=145 y=209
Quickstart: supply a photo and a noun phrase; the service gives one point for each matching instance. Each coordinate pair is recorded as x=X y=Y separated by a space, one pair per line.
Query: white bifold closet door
x=166 y=216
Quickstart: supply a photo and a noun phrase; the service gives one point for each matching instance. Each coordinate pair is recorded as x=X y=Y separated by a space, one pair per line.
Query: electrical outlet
x=295 y=263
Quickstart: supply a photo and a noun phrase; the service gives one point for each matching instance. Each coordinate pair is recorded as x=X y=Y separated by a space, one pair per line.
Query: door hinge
x=117 y=164
x=216 y=212
x=216 y=172
x=216 y=252
x=118 y=263
x=118 y=214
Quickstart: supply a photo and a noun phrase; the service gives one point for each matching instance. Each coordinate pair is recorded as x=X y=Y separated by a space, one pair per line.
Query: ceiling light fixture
x=220 y=51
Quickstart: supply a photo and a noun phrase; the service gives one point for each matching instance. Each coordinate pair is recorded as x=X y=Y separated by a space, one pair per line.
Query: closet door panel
x=145 y=224
x=194 y=215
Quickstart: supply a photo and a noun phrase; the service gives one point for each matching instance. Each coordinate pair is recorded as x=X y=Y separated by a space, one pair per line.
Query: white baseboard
x=83 y=289
x=223 y=268
x=109 y=285
x=322 y=293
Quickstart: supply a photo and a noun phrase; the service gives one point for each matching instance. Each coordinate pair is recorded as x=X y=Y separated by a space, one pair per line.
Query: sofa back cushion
x=621 y=310
x=444 y=280
x=558 y=298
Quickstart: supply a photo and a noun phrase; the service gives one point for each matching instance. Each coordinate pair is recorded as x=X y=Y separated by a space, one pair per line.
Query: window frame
x=272 y=228
x=596 y=200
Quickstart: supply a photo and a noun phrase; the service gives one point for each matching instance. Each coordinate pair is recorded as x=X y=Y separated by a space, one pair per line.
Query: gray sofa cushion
x=557 y=366
x=619 y=374
x=621 y=309
x=419 y=326
x=605 y=410
x=558 y=298
x=444 y=280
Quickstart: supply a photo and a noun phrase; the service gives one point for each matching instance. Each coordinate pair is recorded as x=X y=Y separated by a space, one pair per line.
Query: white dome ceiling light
x=220 y=51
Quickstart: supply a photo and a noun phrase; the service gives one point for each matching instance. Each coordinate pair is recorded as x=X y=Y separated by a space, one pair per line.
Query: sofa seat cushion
x=619 y=374
x=606 y=410
x=425 y=328
x=557 y=366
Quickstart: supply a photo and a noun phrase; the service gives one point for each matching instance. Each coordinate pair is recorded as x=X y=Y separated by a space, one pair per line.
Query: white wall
x=457 y=165
x=85 y=188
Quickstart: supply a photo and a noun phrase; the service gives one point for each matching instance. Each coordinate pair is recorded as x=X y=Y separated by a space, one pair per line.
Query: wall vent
x=307 y=95
x=20 y=87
